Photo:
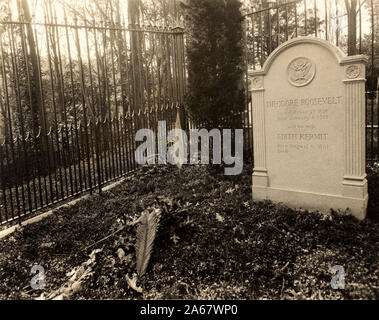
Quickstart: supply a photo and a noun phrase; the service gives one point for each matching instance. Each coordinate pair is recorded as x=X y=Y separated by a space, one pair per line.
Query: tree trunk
x=135 y=45
x=39 y=113
x=122 y=61
x=351 y=9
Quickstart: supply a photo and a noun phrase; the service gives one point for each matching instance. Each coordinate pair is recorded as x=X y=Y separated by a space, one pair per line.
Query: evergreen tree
x=215 y=61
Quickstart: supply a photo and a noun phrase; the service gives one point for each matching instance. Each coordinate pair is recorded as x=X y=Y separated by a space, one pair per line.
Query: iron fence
x=276 y=21
x=82 y=158
x=73 y=93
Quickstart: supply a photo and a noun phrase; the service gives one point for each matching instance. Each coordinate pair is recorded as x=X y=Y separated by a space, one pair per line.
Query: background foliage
x=215 y=60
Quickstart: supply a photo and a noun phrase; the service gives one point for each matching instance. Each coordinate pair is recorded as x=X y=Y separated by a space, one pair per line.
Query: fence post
x=179 y=73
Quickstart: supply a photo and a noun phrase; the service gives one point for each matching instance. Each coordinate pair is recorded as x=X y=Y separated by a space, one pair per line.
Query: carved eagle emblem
x=300 y=70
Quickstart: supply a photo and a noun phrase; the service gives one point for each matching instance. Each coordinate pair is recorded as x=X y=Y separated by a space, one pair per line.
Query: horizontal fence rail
x=269 y=25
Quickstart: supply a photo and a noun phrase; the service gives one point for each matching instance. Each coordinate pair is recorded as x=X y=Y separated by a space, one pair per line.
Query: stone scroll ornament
x=300 y=71
x=257 y=83
x=353 y=71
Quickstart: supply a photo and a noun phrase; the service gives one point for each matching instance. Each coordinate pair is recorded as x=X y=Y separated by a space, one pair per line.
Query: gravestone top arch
x=308 y=104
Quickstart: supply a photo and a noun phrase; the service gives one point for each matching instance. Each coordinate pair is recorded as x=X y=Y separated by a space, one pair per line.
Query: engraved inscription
x=287 y=148
x=305 y=117
x=295 y=102
x=300 y=71
x=302 y=136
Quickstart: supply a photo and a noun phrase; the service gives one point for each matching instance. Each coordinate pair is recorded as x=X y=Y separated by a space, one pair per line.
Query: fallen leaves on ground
x=213 y=242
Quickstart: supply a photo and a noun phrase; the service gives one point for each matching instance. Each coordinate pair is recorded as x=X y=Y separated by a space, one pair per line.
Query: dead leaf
x=230 y=190
x=120 y=253
x=41 y=297
x=47 y=245
x=94 y=252
x=219 y=217
x=175 y=239
x=76 y=286
x=133 y=283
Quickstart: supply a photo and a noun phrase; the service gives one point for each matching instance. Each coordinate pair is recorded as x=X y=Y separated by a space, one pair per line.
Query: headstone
x=308 y=105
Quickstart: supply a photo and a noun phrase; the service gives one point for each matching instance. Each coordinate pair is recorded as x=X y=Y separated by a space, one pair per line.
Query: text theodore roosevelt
x=297 y=102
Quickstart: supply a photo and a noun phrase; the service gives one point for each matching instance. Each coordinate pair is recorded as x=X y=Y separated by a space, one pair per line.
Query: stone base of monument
x=354 y=201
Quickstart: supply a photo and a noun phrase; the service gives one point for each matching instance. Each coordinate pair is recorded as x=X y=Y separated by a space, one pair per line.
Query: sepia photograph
x=189 y=157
